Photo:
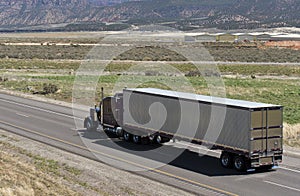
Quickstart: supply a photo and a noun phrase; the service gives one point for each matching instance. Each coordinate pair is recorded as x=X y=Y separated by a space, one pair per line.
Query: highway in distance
x=171 y=163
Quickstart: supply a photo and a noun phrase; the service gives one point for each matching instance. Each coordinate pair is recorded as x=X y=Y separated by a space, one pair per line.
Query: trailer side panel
x=191 y=119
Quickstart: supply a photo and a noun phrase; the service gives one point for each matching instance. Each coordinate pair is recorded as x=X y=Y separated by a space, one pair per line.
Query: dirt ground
x=31 y=168
x=284 y=44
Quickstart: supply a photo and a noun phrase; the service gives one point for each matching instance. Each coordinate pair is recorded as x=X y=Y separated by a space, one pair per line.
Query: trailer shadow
x=184 y=159
x=207 y=165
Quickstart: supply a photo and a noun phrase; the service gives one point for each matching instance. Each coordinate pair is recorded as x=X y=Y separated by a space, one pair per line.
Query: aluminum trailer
x=248 y=133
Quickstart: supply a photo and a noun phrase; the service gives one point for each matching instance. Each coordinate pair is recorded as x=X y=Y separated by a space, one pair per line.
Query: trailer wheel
x=239 y=163
x=136 y=139
x=158 y=139
x=226 y=160
x=127 y=136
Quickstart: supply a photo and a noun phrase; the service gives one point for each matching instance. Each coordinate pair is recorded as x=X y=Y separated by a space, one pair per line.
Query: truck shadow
x=168 y=154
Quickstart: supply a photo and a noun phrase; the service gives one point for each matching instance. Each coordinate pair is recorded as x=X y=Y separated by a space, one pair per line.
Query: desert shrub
x=49 y=88
x=3 y=79
x=151 y=73
x=193 y=73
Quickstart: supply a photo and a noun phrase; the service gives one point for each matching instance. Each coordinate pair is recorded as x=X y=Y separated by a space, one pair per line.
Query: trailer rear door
x=266 y=130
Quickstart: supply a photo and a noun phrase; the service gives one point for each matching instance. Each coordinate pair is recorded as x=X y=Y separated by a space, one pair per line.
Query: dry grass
x=291 y=134
x=20 y=177
x=31 y=168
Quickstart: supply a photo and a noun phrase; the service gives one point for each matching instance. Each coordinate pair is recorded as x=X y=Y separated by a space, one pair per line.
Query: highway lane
x=189 y=170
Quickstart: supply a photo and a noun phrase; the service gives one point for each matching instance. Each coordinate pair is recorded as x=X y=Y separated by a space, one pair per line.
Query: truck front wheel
x=226 y=160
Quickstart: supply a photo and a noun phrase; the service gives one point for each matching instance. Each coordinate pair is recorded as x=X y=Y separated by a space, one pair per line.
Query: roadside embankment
x=28 y=167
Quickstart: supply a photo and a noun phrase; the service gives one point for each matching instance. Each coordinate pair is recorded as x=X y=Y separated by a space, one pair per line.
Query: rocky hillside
x=226 y=14
x=37 y=12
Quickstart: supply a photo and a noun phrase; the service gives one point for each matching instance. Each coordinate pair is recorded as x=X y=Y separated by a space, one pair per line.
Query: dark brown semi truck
x=249 y=134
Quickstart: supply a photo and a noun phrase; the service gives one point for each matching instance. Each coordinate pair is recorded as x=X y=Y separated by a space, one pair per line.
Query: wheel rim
x=126 y=136
x=136 y=139
x=225 y=160
x=158 y=139
x=238 y=163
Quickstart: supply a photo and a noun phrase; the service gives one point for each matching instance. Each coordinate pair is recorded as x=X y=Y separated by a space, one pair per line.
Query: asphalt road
x=191 y=170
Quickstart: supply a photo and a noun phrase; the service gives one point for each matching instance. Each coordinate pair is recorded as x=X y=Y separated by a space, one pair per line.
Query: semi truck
x=249 y=134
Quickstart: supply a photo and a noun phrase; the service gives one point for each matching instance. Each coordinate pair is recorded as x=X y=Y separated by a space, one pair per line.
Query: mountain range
x=182 y=14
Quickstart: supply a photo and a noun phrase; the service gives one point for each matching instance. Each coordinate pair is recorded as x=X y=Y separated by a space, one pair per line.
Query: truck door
x=118 y=112
x=108 y=105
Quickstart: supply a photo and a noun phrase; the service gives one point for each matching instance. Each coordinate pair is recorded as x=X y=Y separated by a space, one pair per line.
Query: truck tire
x=239 y=163
x=226 y=160
x=160 y=139
x=127 y=136
x=136 y=139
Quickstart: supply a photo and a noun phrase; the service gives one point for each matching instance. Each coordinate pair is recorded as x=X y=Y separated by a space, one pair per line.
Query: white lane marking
x=293 y=170
x=19 y=114
x=284 y=186
x=43 y=110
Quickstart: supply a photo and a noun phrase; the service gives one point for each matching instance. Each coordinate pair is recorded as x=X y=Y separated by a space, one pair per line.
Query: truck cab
x=108 y=114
